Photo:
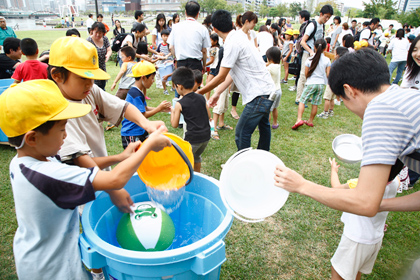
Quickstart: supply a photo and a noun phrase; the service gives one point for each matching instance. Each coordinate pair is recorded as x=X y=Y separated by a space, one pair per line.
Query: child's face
x=213 y=43
x=125 y=58
x=416 y=53
x=161 y=22
x=148 y=82
x=164 y=38
x=295 y=36
x=49 y=144
x=288 y=37
x=75 y=87
x=140 y=34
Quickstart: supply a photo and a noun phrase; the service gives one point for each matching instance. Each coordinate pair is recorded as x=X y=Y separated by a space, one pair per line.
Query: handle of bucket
x=185 y=158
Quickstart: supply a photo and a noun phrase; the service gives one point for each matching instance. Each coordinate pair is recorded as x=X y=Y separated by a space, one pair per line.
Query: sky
x=347 y=3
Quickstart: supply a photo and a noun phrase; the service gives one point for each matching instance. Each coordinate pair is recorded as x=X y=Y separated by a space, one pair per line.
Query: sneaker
x=283 y=81
x=293 y=78
x=323 y=115
x=338 y=103
x=292 y=88
x=330 y=113
x=165 y=92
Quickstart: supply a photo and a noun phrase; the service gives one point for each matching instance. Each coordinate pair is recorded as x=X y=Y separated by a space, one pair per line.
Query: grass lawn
x=295 y=243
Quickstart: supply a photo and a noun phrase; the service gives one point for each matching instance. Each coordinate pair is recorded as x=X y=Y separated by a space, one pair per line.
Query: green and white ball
x=147 y=229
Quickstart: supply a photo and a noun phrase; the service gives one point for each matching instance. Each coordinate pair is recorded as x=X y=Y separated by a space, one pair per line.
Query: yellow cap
x=296 y=32
x=364 y=44
x=289 y=32
x=357 y=45
x=27 y=105
x=78 y=56
x=143 y=68
x=386 y=34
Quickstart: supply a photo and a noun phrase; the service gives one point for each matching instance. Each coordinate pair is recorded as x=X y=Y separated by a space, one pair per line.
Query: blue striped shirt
x=391 y=128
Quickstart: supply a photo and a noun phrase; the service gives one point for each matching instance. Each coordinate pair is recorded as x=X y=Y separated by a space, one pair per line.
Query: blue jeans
x=392 y=66
x=255 y=113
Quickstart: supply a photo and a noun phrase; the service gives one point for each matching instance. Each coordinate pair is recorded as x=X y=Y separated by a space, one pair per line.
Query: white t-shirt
x=368 y=230
x=214 y=51
x=248 y=69
x=399 y=49
x=318 y=34
x=413 y=83
x=46 y=195
x=85 y=135
x=132 y=39
x=189 y=38
x=342 y=34
x=319 y=76
x=265 y=41
x=158 y=36
x=89 y=23
x=365 y=35
x=275 y=72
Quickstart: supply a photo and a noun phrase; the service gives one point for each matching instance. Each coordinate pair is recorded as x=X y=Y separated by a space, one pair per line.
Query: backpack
x=116 y=44
x=299 y=48
x=357 y=36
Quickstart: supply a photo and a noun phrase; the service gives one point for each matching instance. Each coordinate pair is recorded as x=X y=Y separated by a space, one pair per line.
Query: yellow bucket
x=170 y=168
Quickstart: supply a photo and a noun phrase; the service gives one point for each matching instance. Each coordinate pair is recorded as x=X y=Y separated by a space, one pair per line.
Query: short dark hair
x=375 y=20
x=198 y=76
x=400 y=33
x=354 y=21
x=328 y=40
x=138 y=28
x=274 y=54
x=222 y=21
x=183 y=76
x=348 y=40
x=100 y=16
x=366 y=23
x=305 y=14
x=73 y=31
x=164 y=32
x=340 y=51
x=129 y=52
x=249 y=16
x=337 y=18
x=90 y=15
x=43 y=129
x=327 y=9
x=391 y=25
x=192 y=8
x=98 y=26
x=11 y=43
x=142 y=48
x=28 y=46
x=263 y=28
x=368 y=79
x=138 y=14
x=57 y=70
x=215 y=38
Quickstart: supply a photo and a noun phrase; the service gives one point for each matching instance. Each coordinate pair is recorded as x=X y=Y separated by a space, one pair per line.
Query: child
x=328 y=94
x=214 y=59
x=362 y=236
x=144 y=74
x=32 y=68
x=317 y=69
x=47 y=192
x=73 y=67
x=196 y=113
x=273 y=66
x=328 y=40
x=385 y=40
x=287 y=54
x=163 y=48
x=128 y=54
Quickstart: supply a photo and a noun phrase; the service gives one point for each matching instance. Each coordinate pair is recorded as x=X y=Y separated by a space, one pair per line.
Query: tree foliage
x=295 y=8
x=330 y=2
x=282 y=9
x=411 y=18
x=383 y=9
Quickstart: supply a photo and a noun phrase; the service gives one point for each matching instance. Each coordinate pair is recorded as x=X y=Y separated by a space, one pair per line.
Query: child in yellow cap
x=46 y=192
x=144 y=74
x=74 y=67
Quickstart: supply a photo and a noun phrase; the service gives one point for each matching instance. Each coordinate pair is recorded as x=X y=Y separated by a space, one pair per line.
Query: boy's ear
x=57 y=77
x=30 y=138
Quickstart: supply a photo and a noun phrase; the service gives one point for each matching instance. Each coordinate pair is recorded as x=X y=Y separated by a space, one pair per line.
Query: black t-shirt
x=6 y=66
x=195 y=115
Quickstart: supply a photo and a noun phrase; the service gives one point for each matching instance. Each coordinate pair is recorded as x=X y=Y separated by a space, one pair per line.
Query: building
x=407 y=5
x=152 y=6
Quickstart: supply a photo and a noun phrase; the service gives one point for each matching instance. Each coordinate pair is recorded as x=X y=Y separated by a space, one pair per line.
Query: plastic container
x=198 y=251
x=4 y=84
x=348 y=148
x=166 y=69
x=247 y=185
x=181 y=117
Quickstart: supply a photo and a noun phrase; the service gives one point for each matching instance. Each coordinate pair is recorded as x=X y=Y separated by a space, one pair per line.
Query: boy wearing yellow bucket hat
x=73 y=67
x=144 y=74
x=46 y=192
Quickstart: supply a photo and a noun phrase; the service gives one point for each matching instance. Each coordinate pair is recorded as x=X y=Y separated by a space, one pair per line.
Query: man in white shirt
x=89 y=23
x=189 y=40
x=367 y=32
x=242 y=64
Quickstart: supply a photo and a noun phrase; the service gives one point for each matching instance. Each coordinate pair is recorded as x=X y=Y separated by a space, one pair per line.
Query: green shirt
x=4 y=33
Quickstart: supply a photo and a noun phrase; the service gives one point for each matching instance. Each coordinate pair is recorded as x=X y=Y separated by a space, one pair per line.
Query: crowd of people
x=324 y=65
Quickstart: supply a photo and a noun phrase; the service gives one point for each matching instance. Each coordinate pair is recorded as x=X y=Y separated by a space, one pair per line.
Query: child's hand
x=334 y=165
x=165 y=106
x=113 y=86
x=158 y=141
x=165 y=78
x=131 y=149
x=155 y=125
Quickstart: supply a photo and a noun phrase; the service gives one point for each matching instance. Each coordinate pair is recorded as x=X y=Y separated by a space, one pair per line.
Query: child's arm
x=175 y=115
x=164 y=106
x=210 y=61
x=328 y=71
x=290 y=51
x=208 y=111
x=120 y=74
x=134 y=115
x=306 y=71
x=335 y=181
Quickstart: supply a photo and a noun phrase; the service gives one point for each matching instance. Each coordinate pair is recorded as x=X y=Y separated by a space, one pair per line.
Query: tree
x=250 y=6
x=210 y=6
x=384 y=9
x=282 y=9
x=264 y=9
x=295 y=8
x=273 y=12
x=352 y=12
x=321 y=4
x=411 y=18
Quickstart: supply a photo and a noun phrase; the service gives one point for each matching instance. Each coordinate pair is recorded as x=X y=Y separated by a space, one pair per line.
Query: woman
x=282 y=23
x=175 y=18
x=118 y=29
x=101 y=42
x=265 y=41
x=346 y=30
x=238 y=22
x=336 y=33
x=156 y=33
x=411 y=77
x=249 y=20
x=399 y=47
x=268 y=23
x=207 y=24
x=169 y=25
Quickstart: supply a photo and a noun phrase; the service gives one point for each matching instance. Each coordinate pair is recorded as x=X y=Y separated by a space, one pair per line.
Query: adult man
x=366 y=33
x=390 y=134
x=243 y=63
x=312 y=33
x=353 y=27
x=9 y=60
x=189 y=40
x=5 y=32
x=139 y=16
x=89 y=23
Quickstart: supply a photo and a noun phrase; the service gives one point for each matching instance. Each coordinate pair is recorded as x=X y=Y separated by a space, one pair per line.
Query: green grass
x=295 y=243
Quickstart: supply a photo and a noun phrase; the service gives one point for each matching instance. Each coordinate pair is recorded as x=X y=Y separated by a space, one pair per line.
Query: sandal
x=215 y=135
x=299 y=123
x=236 y=117
x=109 y=126
x=275 y=126
x=309 y=124
x=225 y=127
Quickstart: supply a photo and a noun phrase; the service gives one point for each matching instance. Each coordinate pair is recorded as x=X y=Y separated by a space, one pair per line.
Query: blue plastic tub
x=166 y=69
x=4 y=84
x=198 y=250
